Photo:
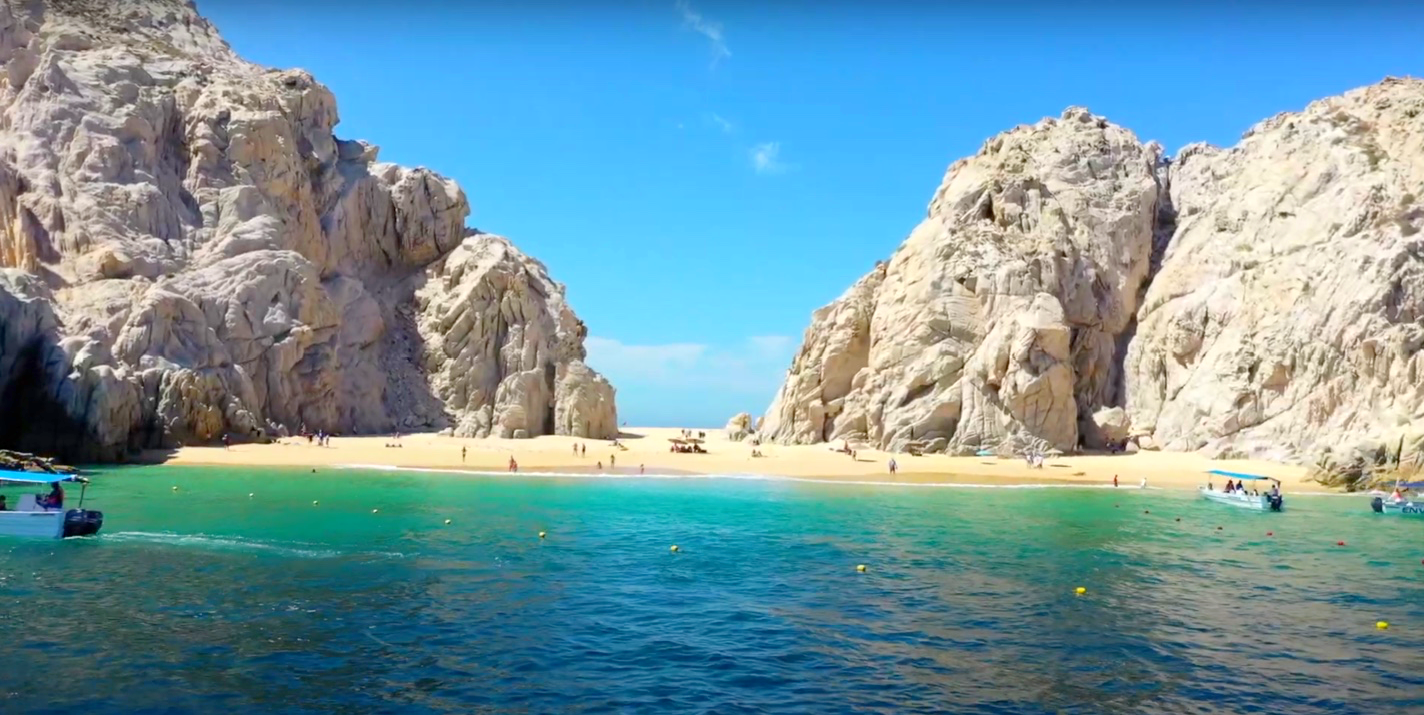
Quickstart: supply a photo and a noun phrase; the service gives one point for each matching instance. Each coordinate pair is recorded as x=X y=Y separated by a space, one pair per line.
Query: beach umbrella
x=693 y=440
x=676 y=440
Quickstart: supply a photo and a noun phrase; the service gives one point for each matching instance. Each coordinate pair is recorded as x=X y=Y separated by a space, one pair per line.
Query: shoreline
x=647 y=448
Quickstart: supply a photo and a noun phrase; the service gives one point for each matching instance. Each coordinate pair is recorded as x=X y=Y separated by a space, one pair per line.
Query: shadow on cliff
x=32 y=419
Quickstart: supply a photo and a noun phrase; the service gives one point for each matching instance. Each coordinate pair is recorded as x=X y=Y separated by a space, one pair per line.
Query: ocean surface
x=236 y=593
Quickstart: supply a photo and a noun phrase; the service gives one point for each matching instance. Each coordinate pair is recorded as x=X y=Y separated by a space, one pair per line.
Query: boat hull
x=1389 y=508
x=1240 y=501
x=32 y=524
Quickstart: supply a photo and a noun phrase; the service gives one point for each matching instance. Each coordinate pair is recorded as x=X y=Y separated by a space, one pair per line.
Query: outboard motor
x=82 y=522
x=1276 y=502
x=1377 y=504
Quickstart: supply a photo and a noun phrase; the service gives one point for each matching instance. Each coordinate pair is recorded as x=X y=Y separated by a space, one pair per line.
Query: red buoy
x=1339 y=543
x=1270 y=533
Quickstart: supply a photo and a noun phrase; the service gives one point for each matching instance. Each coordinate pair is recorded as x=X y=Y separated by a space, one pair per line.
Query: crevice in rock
x=1164 y=227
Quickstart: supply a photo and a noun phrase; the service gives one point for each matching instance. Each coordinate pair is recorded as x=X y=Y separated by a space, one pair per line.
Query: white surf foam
x=232 y=543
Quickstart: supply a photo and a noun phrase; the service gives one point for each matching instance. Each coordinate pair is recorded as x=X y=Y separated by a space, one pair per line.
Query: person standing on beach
x=600 y=465
x=612 y=461
x=226 y=441
x=893 y=465
x=640 y=469
x=462 y=455
x=1144 y=483
x=513 y=465
x=1114 y=481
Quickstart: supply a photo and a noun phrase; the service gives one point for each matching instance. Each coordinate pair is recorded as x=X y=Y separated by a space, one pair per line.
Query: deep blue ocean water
x=206 y=600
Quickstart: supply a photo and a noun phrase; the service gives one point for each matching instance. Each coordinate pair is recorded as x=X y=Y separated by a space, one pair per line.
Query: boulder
x=1112 y=426
x=739 y=426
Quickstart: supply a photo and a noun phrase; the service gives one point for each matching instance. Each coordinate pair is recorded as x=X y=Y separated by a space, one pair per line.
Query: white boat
x=1393 y=506
x=1381 y=505
x=1243 y=499
x=31 y=515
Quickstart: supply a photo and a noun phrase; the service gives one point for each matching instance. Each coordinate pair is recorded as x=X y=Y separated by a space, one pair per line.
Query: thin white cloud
x=707 y=28
x=755 y=366
x=722 y=123
x=766 y=158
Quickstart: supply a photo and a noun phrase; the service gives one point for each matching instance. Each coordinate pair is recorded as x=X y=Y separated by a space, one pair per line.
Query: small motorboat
x=1241 y=498
x=1396 y=504
x=36 y=515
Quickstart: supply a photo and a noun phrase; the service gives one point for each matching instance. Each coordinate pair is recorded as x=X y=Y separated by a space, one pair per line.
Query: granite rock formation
x=739 y=427
x=1003 y=311
x=1288 y=312
x=1073 y=284
x=189 y=251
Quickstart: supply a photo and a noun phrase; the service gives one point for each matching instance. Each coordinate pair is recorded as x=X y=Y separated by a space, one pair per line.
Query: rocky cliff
x=188 y=250
x=1073 y=284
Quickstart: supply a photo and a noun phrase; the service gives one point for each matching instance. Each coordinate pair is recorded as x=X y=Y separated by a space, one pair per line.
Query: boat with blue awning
x=1241 y=497
x=43 y=514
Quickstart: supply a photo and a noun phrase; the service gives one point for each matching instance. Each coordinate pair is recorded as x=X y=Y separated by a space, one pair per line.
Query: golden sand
x=647 y=450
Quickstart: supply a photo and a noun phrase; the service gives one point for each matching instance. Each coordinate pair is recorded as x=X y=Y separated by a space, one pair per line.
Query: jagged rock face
x=504 y=349
x=1281 y=285
x=1288 y=313
x=739 y=426
x=214 y=260
x=1004 y=310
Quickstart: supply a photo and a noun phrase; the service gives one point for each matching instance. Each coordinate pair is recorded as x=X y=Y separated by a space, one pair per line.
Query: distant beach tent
x=1240 y=475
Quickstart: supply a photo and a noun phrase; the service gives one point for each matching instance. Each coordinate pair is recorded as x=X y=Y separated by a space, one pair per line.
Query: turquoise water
x=208 y=601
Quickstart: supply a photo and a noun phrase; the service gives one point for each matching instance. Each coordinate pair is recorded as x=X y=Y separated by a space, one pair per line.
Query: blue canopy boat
x=44 y=515
x=1241 y=498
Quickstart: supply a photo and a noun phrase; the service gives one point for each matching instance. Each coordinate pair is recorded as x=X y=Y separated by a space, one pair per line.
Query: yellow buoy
x=1080 y=590
x=674 y=547
x=542 y=534
x=1382 y=625
x=447 y=522
x=375 y=511
x=860 y=568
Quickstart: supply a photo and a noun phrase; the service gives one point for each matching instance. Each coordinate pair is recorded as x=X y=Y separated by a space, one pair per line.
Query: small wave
x=744 y=476
x=232 y=543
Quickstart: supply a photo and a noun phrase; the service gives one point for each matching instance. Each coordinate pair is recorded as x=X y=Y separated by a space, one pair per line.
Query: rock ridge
x=188 y=250
x=1069 y=279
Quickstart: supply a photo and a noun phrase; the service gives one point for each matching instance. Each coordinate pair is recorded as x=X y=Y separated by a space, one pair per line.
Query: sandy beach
x=646 y=450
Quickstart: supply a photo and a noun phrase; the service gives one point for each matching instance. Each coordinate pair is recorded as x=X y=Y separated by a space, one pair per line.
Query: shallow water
x=205 y=600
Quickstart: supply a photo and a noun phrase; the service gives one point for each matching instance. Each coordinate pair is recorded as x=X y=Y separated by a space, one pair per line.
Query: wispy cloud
x=722 y=123
x=766 y=158
x=707 y=28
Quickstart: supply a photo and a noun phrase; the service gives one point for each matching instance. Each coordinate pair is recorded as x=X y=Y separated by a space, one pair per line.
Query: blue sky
x=702 y=176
